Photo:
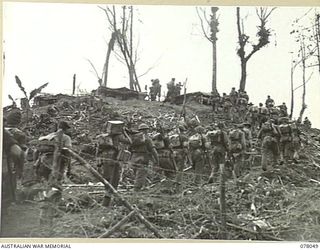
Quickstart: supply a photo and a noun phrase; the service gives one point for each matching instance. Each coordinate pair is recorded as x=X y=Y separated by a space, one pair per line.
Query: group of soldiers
x=174 y=90
x=172 y=149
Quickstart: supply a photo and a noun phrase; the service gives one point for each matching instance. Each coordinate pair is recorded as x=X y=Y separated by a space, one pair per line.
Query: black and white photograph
x=160 y=122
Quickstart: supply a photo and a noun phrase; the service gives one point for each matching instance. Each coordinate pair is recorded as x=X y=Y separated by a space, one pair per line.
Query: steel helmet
x=143 y=126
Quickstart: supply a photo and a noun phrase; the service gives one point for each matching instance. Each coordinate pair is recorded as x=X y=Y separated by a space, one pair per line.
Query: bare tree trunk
x=292 y=93
x=317 y=35
x=74 y=84
x=106 y=64
x=303 y=56
x=243 y=74
x=214 y=30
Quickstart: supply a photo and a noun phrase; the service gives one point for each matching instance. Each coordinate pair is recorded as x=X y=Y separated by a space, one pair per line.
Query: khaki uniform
x=142 y=153
x=44 y=163
x=108 y=157
x=197 y=145
x=285 y=141
x=237 y=149
x=220 y=146
x=296 y=142
x=269 y=148
x=165 y=154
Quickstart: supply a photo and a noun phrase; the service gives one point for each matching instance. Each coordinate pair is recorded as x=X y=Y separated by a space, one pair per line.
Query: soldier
x=252 y=116
x=263 y=115
x=215 y=100
x=283 y=110
x=296 y=142
x=110 y=152
x=143 y=150
x=269 y=101
x=242 y=107
x=220 y=144
x=179 y=144
x=227 y=108
x=171 y=90
x=11 y=125
x=269 y=148
x=245 y=95
x=233 y=96
x=307 y=123
x=45 y=152
x=285 y=139
x=237 y=149
x=10 y=152
x=163 y=146
x=198 y=146
x=274 y=113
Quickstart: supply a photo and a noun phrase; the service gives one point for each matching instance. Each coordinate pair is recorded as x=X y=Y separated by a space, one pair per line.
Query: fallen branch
x=270 y=237
x=115 y=193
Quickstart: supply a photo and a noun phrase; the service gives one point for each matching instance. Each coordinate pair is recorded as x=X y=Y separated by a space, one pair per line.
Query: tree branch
x=202 y=26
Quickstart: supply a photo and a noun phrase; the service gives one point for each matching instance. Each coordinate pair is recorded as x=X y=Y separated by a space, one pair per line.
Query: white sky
x=46 y=42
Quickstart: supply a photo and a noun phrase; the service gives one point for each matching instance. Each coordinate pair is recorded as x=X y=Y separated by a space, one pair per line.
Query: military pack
x=215 y=136
x=235 y=135
x=138 y=139
x=195 y=141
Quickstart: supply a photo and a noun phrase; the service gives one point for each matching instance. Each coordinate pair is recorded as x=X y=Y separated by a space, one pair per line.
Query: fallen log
x=115 y=193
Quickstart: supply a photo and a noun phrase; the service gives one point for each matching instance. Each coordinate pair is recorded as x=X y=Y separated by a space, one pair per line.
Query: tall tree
x=211 y=36
x=124 y=39
x=263 y=35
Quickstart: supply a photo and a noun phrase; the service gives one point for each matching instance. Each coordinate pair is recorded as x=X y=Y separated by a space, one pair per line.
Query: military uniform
x=242 y=107
x=109 y=156
x=179 y=144
x=143 y=150
x=237 y=149
x=269 y=148
x=274 y=113
x=8 y=182
x=198 y=146
x=285 y=140
x=220 y=146
x=296 y=142
x=263 y=115
x=165 y=154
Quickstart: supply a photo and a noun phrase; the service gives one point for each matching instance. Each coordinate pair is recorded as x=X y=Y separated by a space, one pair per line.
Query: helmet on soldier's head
x=143 y=126
x=241 y=125
x=14 y=117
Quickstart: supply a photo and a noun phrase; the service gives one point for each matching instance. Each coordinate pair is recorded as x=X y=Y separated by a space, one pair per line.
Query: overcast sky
x=47 y=42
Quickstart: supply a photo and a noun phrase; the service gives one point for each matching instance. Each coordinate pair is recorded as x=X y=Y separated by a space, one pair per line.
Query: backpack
x=138 y=139
x=215 y=136
x=175 y=141
x=285 y=129
x=242 y=101
x=46 y=143
x=264 y=111
x=266 y=127
x=195 y=141
x=254 y=109
x=235 y=135
x=105 y=141
x=158 y=142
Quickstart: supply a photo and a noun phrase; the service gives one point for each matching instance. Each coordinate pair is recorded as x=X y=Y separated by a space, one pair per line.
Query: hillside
x=279 y=204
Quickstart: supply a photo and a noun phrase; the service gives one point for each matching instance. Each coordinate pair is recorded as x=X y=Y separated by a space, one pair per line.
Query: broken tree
x=124 y=39
x=263 y=34
x=212 y=38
